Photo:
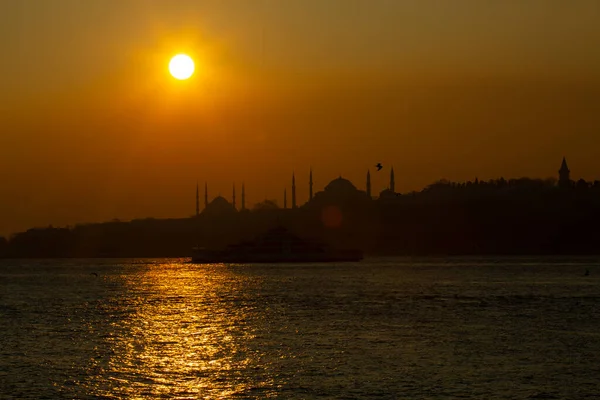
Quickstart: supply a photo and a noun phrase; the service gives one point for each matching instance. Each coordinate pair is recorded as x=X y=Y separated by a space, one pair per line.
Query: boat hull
x=277 y=245
x=223 y=257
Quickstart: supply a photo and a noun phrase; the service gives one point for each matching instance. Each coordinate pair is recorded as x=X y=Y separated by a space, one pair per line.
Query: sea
x=382 y=328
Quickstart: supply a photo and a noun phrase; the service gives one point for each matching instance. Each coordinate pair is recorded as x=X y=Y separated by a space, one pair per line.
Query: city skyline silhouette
x=303 y=193
x=94 y=127
x=501 y=216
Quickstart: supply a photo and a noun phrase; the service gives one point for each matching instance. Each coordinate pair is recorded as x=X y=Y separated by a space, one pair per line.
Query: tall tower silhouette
x=284 y=198
x=243 y=196
x=369 y=183
x=293 y=191
x=205 y=195
x=310 y=186
x=197 y=200
x=233 y=197
x=564 y=174
x=392 y=182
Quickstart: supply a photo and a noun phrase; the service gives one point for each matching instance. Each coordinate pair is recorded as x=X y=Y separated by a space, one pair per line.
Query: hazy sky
x=92 y=127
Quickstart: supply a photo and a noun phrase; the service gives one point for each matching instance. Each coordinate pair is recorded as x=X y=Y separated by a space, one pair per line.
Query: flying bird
x=379 y=166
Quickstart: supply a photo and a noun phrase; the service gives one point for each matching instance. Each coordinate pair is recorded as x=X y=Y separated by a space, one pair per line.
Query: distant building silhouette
x=205 y=195
x=233 y=196
x=310 y=186
x=293 y=191
x=564 y=174
x=197 y=200
x=339 y=191
x=342 y=191
x=390 y=192
x=219 y=206
x=243 y=197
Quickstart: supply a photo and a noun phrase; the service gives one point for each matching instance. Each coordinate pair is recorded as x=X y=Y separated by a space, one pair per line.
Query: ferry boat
x=277 y=245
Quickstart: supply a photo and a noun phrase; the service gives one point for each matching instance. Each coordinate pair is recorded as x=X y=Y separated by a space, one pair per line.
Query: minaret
x=243 y=197
x=392 y=182
x=284 y=198
x=233 y=197
x=310 y=186
x=369 y=183
x=564 y=178
x=197 y=200
x=293 y=191
x=205 y=195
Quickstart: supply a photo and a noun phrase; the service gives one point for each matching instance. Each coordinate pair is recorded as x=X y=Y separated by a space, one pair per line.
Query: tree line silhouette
x=494 y=217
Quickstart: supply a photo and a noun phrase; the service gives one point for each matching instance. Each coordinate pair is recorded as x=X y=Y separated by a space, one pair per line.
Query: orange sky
x=92 y=127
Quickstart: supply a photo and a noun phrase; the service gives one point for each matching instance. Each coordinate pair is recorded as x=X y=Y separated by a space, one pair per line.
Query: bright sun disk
x=181 y=66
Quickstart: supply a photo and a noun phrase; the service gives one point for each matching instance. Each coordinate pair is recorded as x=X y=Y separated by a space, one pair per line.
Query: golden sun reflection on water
x=162 y=329
x=180 y=331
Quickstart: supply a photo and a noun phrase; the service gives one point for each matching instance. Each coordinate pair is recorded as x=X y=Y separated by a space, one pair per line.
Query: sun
x=181 y=66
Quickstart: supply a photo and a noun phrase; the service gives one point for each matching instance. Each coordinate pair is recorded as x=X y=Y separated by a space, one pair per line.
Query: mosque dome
x=340 y=185
x=219 y=205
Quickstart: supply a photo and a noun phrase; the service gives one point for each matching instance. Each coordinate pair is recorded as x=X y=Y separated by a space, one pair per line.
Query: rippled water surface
x=382 y=328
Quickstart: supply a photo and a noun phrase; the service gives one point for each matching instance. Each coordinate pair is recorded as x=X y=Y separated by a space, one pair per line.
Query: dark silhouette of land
x=495 y=217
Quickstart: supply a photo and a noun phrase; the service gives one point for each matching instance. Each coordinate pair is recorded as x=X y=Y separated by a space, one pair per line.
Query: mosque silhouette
x=339 y=190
